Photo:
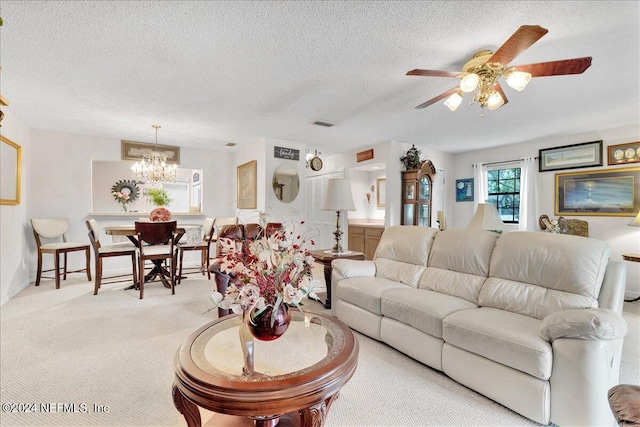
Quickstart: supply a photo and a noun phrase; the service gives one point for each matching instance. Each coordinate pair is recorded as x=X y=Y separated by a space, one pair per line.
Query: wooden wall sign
x=286 y=153
x=364 y=155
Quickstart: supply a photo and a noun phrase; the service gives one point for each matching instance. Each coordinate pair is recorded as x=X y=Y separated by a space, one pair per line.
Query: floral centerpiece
x=266 y=275
x=121 y=198
x=125 y=192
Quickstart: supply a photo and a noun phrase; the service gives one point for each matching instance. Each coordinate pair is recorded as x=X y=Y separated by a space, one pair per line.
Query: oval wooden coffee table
x=296 y=378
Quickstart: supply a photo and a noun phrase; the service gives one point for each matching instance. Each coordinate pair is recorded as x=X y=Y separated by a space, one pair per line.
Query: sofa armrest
x=345 y=268
x=613 y=286
x=585 y=324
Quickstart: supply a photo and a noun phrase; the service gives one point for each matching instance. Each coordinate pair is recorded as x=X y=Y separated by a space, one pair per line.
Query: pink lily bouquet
x=266 y=272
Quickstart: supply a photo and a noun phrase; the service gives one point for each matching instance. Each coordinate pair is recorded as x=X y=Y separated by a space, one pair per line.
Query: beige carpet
x=116 y=352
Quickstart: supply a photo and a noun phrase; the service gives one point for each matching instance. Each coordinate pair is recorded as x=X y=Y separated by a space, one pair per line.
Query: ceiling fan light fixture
x=469 y=82
x=518 y=80
x=453 y=102
x=495 y=101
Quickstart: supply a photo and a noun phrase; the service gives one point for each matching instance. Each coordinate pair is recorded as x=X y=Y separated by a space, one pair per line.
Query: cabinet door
x=407 y=214
x=371 y=241
x=356 y=238
x=424 y=201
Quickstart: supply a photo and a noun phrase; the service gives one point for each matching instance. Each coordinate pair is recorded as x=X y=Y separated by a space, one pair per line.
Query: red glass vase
x=262 y=328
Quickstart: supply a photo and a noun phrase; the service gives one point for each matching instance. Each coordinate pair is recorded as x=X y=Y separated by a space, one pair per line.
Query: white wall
x=15 y=230
x=614 y=230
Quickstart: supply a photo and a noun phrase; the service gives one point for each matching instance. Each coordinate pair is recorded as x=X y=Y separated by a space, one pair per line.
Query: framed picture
x=131 y=150
x=571 y=156
x=464 y=190
x=10 y=165
x=381 y=195
x=624 y=153
x=605 y=192
x=246 y=181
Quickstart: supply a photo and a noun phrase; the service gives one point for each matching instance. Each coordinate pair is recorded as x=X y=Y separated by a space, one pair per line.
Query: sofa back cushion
x=403 y=252
x=459 y=263
x=536 y=274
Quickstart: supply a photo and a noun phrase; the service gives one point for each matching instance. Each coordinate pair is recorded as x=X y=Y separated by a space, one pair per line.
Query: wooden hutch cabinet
x=417 y=193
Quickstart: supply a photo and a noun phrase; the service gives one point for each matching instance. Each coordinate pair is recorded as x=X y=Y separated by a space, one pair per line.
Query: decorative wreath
x=126 y=186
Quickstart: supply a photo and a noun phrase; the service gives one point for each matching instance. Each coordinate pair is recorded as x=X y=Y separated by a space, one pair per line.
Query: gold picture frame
x=381 y=193
x=132 y=150
x=603 y=192
x=11 y=166
x=247 y=185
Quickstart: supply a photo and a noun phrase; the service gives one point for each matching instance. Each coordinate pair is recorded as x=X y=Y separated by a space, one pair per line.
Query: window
x=504 y=192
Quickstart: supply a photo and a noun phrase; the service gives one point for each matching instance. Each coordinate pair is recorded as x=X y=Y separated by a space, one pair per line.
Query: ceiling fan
x=480 y=75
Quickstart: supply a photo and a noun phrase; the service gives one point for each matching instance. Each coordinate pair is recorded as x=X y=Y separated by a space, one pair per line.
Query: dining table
x=191 y=233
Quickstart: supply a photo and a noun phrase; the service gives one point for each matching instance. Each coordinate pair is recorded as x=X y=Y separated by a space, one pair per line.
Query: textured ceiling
x=216 y=72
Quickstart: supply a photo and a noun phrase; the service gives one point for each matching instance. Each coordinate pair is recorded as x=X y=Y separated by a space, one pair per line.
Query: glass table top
x=310 y=342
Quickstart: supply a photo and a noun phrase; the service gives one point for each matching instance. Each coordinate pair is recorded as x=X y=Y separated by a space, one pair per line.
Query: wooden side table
x=324 y=257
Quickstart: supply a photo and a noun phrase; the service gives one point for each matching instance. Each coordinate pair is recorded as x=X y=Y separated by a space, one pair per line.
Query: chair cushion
x=519 y=346
x=624 y=400
x=118 y=247
x=366 y=292
x=154 y=250
x=50 y=247
x=421 y=309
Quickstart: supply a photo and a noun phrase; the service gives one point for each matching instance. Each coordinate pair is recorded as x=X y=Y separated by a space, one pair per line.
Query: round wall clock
x=316 y=163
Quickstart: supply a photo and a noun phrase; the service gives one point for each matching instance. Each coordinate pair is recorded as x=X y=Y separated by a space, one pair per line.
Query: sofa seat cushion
x=502 y=336
x=366 y=292
x=421 y=309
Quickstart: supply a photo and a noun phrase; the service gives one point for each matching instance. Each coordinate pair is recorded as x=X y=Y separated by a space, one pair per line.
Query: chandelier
x=153 y=168
x=481 y=79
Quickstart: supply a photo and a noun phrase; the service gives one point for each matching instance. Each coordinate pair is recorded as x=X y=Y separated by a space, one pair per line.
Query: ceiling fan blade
x=439 y=97
x=498 y=89
x=521 y=40
x=557 y=68
x=433 y=73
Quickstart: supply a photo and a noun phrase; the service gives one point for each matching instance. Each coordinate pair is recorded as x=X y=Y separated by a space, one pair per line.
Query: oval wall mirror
x=286 y=183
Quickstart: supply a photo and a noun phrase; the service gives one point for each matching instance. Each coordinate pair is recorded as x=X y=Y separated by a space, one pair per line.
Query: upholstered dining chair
x=203 y=246
x=218 y=223
x=156 y=243
x=107 y=251
x=51 y=238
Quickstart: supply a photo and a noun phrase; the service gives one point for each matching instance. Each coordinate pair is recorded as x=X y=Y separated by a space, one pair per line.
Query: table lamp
x=487 y=218
x=636 y=221
x=339 y=198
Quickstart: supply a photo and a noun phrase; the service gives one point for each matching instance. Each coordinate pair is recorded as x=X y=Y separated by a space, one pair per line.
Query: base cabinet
x=364 y=239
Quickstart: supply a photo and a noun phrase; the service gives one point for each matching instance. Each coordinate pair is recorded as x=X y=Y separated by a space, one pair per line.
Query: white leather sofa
x=531 y=320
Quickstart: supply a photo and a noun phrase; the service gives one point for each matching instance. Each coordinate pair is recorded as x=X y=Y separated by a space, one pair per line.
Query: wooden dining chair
x=156 y=243
x=51 y=238
x=107 y=251
x=204 y=246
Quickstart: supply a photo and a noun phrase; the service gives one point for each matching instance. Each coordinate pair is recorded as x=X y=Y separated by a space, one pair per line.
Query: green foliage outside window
x=504 y=192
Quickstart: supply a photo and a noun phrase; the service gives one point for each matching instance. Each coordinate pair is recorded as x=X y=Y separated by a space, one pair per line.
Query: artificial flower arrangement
x=266 y=272
x=121 y=197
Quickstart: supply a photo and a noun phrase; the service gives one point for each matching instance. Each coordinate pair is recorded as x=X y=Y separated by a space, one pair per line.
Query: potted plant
x=160 y=198
x=411 y=160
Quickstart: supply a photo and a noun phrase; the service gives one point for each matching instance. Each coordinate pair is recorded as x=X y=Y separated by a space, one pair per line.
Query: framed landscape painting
x=246 y=182
x=605 y=192
x=570 y=156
